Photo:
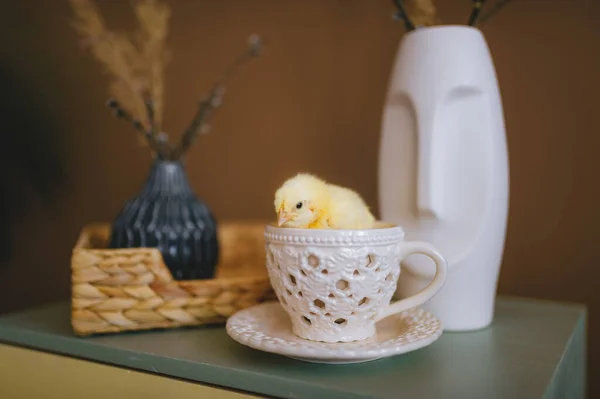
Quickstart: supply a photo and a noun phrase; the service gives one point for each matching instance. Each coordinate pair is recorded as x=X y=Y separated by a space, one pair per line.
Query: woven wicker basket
x=115 y=290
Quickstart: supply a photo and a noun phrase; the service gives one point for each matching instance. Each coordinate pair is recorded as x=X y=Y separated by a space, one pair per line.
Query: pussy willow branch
x=209 y=105
x=206 y=110
x=162 y=140
x=120 y=112
x=477 y=4
x=255 y=45
x=401 y=14
x=497 y=7
x=150 y=112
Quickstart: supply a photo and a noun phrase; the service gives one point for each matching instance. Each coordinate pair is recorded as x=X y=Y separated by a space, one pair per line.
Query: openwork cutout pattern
x=336 y=291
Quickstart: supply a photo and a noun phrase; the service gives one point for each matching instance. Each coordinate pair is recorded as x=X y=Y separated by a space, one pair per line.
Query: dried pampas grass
x=422 y=12
x=154 y=23
x=135 y=68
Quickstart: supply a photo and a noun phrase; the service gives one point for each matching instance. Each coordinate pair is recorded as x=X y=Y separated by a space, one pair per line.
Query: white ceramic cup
x=336 y=284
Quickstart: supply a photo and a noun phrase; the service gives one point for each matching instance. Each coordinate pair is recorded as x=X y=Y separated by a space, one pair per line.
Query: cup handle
x=441 y=271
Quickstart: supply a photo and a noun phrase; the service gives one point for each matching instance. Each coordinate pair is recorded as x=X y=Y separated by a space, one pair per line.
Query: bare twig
x=477 y=4
x=497 y=7
x=401 y=15
x=209 y=105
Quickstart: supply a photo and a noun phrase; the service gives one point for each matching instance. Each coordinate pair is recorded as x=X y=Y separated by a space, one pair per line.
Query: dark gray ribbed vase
x=167 y=215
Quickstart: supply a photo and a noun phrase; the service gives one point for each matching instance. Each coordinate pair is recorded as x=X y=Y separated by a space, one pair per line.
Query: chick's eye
x=299 y=205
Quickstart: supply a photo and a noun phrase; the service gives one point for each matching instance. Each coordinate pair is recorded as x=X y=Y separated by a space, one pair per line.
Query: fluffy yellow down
x=306 y=201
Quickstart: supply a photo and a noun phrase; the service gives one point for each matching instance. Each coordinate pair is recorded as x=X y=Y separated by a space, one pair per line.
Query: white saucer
x=267 y=327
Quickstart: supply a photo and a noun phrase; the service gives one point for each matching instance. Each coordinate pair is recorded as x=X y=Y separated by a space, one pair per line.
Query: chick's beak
x=283 y=217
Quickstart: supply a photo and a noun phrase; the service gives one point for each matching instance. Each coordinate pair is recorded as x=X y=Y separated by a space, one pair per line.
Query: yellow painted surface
x=30 y=374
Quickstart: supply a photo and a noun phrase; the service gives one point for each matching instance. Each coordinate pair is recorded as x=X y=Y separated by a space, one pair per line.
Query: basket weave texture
x=115 y=290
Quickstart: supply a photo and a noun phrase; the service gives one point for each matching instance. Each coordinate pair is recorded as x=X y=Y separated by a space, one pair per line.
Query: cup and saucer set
x=334 y=296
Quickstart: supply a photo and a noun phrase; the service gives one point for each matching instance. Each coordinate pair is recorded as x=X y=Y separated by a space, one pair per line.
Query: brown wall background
x=313 y=102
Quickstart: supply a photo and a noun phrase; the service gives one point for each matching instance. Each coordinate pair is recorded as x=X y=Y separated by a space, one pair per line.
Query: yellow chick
x=306 y=201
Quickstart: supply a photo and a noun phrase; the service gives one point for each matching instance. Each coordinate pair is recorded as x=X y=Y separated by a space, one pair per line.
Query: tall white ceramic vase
x=443 y=168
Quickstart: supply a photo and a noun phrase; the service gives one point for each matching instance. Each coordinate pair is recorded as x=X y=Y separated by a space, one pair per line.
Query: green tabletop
x=534 y=349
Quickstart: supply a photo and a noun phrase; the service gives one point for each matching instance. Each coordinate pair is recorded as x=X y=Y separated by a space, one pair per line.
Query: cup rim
x=385 y=228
